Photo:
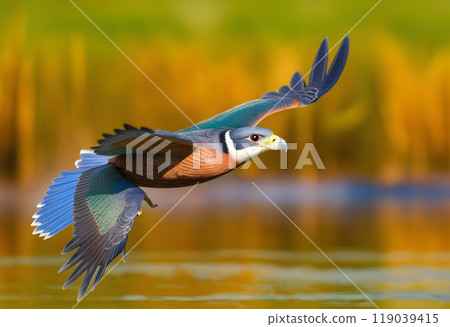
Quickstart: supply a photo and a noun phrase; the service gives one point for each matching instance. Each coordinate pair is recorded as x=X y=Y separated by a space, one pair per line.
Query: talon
x=150 y=203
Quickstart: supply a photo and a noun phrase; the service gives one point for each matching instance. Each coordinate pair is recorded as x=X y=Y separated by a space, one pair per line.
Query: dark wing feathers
x=297 y=94
x=116 y=144
x=105 y=207
x=320 y=82
x=336 y=67
x=320 y=64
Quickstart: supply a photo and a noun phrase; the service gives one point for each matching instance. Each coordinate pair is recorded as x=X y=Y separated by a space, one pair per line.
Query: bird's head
x=245 y=143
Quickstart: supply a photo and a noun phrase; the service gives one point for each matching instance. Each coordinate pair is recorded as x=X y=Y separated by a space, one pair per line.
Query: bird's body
x=102 y=197
x=187 y=164
x=180 y=172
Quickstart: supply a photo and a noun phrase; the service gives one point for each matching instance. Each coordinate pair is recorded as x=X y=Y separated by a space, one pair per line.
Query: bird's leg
x=150 y=203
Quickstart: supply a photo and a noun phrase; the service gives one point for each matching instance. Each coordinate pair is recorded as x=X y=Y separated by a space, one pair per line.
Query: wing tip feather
x=321 y=80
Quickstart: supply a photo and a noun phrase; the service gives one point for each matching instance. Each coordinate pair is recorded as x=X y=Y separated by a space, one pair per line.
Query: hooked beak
x=276 y=143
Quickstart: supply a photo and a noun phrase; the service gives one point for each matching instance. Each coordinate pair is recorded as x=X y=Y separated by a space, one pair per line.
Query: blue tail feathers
x=55 y=209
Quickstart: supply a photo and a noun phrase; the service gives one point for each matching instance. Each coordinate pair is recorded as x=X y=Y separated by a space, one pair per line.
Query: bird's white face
x=246 y=143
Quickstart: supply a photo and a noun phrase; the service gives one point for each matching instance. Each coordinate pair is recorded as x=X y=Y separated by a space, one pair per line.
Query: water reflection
x=209 y=254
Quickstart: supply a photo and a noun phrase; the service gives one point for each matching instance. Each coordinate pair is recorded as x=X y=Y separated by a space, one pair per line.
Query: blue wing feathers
x=52 y=216
x=55 y=209
x=55 y=228
x=103 y=198
x=90 y=160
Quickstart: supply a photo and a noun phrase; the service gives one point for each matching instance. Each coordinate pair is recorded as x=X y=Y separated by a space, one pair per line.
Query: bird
x=102 y=197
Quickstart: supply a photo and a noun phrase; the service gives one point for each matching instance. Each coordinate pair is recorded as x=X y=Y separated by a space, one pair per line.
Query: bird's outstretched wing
x=297 y=94
x=105 y=207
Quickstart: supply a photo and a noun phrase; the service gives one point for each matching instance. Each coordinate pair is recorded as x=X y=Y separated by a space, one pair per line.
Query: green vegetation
x=62 y=83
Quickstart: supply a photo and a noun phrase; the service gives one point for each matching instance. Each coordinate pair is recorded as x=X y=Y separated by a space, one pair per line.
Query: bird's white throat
x=244 y=154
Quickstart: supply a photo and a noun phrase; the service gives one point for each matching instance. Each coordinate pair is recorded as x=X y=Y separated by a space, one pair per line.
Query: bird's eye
x=254 y=137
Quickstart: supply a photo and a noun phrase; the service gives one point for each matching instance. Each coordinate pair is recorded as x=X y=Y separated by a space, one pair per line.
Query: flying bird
x=102 y=197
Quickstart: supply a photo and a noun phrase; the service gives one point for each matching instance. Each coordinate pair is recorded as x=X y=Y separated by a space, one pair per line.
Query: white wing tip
x=42 y=233
x=37 y=231
x=82 y=151
x=46 y=236
x=35 y=223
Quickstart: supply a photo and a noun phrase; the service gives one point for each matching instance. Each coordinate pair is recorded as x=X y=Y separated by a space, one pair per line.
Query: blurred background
x=380 y=210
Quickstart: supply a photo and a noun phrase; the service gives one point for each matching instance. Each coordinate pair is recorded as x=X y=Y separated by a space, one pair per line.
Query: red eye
x=254 y=137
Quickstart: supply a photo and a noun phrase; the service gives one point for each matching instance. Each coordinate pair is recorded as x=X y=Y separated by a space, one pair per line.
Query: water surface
x=208 y=254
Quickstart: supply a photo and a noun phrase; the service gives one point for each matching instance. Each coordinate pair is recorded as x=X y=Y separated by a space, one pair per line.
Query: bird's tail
x=56 y=208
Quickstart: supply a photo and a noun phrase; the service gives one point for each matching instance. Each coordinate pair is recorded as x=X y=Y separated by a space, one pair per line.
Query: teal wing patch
x=243 y=115
x=104 y=210
x=106 y=198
